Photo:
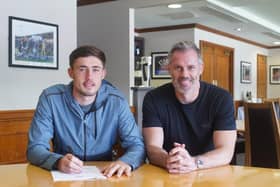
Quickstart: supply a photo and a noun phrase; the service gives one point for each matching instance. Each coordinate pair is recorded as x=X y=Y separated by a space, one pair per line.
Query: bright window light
x=238 y=29
x=174 y=6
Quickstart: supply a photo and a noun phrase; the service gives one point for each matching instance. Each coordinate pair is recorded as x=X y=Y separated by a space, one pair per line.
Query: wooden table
x=26 y=175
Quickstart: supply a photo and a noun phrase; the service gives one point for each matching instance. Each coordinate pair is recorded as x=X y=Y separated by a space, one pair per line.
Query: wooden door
x=261 y=76
x=208 y=60
x=222 y=69
x=218 y=65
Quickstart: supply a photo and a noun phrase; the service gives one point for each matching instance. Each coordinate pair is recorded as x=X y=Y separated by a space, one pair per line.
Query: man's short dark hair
x=86 y=51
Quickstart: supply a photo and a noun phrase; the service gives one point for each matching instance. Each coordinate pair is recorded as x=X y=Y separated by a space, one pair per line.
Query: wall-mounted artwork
x=32 y=44
x=274 y=74
x=245 y=72
x=159 y=65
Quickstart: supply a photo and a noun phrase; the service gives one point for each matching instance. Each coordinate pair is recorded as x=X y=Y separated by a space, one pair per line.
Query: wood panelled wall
x=14 y=126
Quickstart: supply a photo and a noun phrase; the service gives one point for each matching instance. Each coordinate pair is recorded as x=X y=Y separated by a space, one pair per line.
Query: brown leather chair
x=240 y=141
x=276 y=102
x=262 y=147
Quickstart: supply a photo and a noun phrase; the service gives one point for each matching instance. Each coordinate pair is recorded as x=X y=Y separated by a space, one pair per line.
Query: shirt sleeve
x=224 y=119
x=40 y=135
x=130 y=137
x=150 y=112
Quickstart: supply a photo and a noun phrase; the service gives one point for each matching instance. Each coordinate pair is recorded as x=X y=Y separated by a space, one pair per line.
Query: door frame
x=231 y=65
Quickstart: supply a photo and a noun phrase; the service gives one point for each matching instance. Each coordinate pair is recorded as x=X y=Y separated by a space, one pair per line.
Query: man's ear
x=104 y=73
x=201 y=68
x=70 y=72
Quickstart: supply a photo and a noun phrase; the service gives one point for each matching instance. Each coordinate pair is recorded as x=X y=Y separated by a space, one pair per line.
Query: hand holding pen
x=70 y=164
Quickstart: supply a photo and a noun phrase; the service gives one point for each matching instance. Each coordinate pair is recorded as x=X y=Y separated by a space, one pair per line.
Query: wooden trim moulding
x=7 y=115
x=89 y=2
x=202 y=27
x=215 y=31
x=165 y=28
x=15 y=115
x=274 y=47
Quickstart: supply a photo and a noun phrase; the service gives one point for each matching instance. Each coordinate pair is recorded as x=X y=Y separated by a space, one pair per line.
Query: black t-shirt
x=192 y=124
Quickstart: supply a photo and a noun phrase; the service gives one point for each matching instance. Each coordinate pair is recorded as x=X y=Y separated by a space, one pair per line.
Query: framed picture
x=246 y=72
x=159 y=65
x=274 y=74
x=32 y=44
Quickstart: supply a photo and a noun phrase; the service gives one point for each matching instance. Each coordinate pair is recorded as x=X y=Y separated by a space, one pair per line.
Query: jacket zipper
x=85 y=138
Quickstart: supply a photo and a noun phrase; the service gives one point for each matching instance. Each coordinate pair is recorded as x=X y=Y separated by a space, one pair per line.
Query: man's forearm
x=134 y=156
x=214 y=158
x=157 y=156
x=42 y=158
x=224 y=142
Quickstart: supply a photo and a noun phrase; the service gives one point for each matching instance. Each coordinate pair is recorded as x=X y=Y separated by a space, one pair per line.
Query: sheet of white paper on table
x=88 y=173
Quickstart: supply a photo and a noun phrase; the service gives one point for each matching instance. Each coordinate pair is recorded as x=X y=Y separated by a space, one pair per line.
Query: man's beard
x=183 y=89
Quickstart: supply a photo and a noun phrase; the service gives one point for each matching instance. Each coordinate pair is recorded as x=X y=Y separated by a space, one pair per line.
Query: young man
x=188 y=124
x=84 y=120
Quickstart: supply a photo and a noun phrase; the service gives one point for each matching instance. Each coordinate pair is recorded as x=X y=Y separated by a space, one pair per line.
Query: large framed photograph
x=274 y=74
x=32 y=44
x=159 y=65
x=246 y=72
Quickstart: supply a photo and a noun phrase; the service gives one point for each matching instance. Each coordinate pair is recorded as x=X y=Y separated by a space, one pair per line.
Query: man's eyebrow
x=96 y=66
x=83 y=66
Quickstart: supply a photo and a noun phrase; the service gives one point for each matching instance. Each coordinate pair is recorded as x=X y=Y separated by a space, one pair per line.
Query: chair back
x=262 y=147
x=276 y=102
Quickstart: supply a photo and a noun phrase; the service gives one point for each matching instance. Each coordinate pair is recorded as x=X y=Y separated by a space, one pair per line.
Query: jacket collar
x=106 y=89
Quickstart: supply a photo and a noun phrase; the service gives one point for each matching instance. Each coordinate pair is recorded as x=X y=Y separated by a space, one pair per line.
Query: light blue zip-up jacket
x=90 y=137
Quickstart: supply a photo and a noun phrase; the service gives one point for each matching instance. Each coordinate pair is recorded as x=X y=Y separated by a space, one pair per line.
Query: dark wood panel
x=14 y=125
x=88 y=2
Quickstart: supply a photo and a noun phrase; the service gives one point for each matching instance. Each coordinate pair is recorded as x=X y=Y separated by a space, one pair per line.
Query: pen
x=69 y=150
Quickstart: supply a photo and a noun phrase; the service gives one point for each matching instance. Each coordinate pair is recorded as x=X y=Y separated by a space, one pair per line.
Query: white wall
x=242 y=52
x=273 y=59
x=162 y=41
x=21 y=87
x=108 y=26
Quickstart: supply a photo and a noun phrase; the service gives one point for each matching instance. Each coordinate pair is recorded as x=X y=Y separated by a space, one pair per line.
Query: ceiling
x=259 y=20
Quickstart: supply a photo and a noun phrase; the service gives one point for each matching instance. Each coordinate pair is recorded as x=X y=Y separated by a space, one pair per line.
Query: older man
x=188 y=124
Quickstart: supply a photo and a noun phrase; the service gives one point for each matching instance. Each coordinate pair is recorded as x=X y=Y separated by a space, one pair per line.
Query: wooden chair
x=276 y=102
x=240 y=141
x=262 y=134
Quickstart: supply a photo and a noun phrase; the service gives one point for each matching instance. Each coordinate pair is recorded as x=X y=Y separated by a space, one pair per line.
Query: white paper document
x=88 y=173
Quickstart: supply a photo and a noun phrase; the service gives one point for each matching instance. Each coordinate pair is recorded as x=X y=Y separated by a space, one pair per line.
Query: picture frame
x=274 y=74
x=159 y=65
x=245 y=72
x=32 y=44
